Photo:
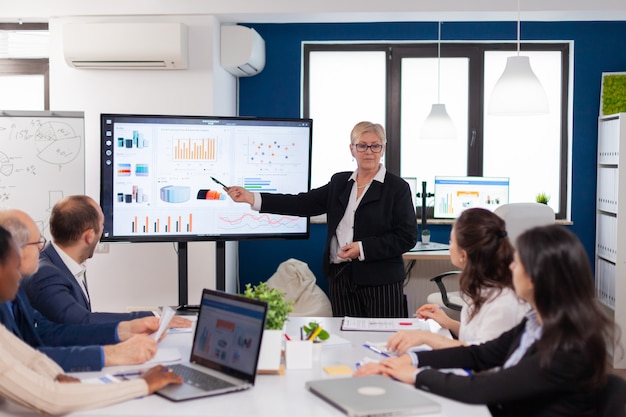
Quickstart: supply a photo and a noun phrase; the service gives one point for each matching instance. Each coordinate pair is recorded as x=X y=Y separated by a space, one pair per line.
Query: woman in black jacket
x=552 y=364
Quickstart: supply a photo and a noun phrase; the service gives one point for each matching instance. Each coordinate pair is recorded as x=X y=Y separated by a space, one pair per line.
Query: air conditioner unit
x=242 y=51
x=125 y=45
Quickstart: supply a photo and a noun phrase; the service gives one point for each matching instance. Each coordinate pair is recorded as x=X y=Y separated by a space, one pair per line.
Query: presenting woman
x=371 y=223
x=552 y=364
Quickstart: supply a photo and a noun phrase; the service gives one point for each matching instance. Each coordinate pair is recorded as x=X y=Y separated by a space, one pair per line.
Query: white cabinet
x=610 y=255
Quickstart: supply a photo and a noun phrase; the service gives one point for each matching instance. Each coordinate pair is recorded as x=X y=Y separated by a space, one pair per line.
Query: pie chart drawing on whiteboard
x=6 y=167
x=57 y=143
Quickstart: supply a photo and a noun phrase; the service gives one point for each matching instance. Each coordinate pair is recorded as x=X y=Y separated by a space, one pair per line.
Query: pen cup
x=317 y=351
x=299 y=354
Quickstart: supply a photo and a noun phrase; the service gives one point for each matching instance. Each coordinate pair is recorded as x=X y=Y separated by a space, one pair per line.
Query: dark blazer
x=521 y=390
x=54 y=292
x=384 y=221
x=75 y=347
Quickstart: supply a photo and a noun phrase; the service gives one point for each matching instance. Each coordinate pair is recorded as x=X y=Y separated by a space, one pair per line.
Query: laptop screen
x=228 y=333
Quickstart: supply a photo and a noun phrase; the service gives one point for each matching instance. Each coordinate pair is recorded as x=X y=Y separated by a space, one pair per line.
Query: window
x=24 y=68
x=397 y=84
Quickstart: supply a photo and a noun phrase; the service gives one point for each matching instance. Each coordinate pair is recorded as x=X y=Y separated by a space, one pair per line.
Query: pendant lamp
x=518 y=91
x=438 y=124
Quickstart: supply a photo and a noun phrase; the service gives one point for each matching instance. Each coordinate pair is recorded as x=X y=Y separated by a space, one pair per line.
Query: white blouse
x=498 y=314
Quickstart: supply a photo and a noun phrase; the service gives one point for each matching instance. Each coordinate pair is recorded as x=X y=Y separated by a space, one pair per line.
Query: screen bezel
x=106 y=179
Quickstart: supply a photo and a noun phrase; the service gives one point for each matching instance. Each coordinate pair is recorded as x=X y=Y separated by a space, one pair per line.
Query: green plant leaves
x=277 y=308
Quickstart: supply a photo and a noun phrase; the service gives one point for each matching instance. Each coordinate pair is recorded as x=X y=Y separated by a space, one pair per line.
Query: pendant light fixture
x=518 y=91
x=438 y=124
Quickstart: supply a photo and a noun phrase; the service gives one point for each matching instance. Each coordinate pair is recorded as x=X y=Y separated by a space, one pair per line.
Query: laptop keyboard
x=200 y=379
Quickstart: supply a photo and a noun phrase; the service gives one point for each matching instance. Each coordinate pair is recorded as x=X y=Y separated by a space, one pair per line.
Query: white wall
x=145 y=274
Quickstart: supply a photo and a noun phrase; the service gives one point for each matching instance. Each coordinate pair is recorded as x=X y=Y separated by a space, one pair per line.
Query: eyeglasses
x=361 y=147
x=41 y=243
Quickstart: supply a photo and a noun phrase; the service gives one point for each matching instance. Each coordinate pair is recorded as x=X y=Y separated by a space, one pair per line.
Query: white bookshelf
x=610 y=256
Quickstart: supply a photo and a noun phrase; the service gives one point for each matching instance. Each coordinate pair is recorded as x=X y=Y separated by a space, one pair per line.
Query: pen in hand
x=220 y=183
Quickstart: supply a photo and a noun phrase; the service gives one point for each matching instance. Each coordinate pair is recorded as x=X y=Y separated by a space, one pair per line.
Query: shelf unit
x=610 y=256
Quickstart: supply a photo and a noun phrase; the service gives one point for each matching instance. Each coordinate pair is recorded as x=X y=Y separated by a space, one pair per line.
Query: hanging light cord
x=439 y=62
x=518 y=26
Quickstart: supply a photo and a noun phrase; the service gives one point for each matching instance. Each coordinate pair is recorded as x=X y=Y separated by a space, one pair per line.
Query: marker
x=125 y=374
x=375 y=349
x=220 y=183
x=405 y=323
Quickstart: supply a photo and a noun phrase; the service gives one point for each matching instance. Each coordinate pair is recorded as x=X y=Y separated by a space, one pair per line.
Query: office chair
x=612 y=397
x=520 y=217
x=452 y=299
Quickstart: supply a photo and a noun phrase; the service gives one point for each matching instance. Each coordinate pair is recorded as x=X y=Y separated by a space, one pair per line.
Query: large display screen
x=156 y=176
x=455 y=194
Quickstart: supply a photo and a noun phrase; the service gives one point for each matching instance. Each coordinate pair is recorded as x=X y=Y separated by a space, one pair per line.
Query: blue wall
x=275 y=92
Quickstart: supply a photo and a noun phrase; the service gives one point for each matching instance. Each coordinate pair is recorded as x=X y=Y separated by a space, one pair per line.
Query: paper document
x=167 y=313
x=383 y=324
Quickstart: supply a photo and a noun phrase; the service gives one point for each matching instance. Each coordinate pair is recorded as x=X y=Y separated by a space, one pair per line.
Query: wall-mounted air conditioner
x=242 y=51
x=125 y=45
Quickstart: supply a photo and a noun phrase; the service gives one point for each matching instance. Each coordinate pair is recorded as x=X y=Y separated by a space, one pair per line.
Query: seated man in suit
x=58 y=290
x=75 y=347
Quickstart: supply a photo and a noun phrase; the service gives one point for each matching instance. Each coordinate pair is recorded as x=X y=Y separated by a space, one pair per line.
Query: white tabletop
x=272 y=396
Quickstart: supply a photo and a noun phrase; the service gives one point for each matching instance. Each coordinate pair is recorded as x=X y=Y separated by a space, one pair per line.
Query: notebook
x=225 y=348
x=373 y=395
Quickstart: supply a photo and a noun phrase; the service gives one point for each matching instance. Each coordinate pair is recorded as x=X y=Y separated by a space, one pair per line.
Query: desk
x=426 y=265
x=272 y=395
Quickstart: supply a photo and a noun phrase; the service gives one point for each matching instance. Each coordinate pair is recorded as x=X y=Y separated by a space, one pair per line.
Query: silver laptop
x=372 y=396
x=225 y=348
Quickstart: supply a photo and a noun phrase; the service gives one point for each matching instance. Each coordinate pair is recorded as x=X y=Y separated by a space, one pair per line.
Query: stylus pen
x=220 y=183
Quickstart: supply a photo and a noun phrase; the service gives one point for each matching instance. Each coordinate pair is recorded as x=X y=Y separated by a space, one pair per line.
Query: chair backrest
x=520 y=217
x=612 y=398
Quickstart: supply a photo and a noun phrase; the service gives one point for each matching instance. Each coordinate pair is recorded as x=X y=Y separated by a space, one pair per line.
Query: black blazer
x=521 y=390
x=384 y=221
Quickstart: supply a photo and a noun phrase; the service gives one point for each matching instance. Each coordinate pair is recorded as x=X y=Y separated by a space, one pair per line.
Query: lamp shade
x=518 y=90
x=438 y=124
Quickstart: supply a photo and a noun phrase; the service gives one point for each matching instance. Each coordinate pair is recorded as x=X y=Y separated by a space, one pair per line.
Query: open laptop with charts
x=225 y=348
x=373 y=395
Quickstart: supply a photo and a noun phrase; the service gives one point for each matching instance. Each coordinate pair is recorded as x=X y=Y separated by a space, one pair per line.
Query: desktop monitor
x=156 y=176
x=455 y=194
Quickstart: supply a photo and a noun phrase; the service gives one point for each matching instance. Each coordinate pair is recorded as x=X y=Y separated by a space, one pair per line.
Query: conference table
x=274 y=395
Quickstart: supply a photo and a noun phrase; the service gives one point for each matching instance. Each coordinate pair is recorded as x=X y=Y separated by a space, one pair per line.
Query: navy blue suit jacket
x=75 y=347
x=54 y=292
x=384 y=222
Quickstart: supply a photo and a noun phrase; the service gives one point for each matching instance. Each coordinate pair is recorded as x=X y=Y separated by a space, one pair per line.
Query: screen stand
x=183 y=287
x=424 y=195
x=183 y=275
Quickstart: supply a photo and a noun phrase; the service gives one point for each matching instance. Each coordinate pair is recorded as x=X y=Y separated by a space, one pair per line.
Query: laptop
x=225 y=349
x=373 y=395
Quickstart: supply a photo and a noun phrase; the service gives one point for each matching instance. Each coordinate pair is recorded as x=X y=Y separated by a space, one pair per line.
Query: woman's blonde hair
x=363 y=127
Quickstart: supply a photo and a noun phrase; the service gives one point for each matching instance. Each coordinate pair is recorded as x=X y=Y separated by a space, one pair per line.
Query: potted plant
x=425 y=236
x=543 y=198
x=278 y=310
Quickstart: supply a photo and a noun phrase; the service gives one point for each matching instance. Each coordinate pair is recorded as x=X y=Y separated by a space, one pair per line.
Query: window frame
x=28 y=66
x=395 y=52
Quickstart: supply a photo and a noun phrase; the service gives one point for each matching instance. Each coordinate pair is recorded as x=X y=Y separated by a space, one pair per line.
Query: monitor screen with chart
x=455 y=194
x=156 y=176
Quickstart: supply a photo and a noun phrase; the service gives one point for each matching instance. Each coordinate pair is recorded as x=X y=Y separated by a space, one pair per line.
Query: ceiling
x=287 y=11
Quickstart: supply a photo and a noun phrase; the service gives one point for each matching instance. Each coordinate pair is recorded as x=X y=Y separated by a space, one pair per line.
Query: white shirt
x=75 y=268
x=498 y=314
x=532 y=332
x=344 y=233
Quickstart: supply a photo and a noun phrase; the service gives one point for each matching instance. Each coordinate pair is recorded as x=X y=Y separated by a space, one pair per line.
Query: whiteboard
x=42 y=159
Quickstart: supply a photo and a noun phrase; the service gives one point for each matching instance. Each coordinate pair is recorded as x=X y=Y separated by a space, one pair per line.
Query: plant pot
x=425 y=239
x=271 y=350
